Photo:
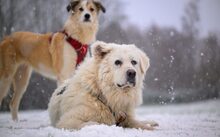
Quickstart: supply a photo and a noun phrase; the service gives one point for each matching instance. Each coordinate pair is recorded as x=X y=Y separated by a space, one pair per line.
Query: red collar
x=81 y=49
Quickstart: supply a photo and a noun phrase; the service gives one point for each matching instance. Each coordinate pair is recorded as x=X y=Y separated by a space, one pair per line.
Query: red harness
x=81 y=49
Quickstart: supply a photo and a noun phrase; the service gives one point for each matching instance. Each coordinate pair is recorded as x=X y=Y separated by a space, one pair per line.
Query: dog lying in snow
x=104 y=90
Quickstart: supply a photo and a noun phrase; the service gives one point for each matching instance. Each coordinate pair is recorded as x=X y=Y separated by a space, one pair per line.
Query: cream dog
x=105 y=90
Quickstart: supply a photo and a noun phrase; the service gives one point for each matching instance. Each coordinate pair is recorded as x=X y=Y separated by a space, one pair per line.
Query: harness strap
x=81 y=49
x=122 y=115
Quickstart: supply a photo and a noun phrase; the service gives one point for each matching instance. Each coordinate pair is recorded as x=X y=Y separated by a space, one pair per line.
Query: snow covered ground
x=201 y=119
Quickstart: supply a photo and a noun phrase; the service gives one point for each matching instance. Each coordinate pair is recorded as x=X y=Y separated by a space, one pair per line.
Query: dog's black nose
x=131 y=75
x=87 y=16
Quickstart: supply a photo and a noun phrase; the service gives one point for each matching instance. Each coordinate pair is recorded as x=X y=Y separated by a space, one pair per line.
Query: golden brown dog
x=54 y=55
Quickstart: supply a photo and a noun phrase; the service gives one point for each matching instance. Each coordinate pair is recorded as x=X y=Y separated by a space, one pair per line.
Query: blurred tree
x=209 y=72
x=110 y=23
x=191 y=18
x=10 y=19
x=189 y=54
x=115 y=13
x=113 y=33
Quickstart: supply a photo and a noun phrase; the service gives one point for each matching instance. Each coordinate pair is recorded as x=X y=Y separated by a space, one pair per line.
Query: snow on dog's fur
x=49 y=54
x=116 y=73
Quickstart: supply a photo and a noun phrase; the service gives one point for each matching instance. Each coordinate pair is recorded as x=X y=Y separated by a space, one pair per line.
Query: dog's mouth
x=127 y=85
x=87 y=21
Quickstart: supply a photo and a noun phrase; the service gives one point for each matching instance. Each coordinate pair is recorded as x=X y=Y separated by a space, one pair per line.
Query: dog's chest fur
x=69 y=58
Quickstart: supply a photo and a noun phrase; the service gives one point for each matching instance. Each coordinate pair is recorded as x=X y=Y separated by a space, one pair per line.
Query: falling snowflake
x=156 y=79
x=4 y=28
x=172 y=99
x=172 y=59
x=12 y=29
x=171 y=33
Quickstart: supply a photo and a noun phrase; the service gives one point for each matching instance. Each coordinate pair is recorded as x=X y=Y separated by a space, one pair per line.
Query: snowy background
x=182 y=86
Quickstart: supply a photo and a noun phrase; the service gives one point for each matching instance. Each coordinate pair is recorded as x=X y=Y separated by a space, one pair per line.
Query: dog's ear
x=100 y=49
x=72 y=5
x=99 y=6
x=144 y=62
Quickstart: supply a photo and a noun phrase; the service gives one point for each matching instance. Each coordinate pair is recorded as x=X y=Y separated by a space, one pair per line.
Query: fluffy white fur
x=78 y=106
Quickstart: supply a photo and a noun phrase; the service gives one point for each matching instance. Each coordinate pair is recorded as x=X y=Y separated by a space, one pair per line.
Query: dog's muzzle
x=131 y=77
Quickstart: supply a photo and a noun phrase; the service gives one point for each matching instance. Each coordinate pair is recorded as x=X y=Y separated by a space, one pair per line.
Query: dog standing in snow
x=54 y=55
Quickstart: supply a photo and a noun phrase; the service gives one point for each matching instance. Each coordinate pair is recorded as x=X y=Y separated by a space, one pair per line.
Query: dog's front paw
x=147 y=127
x=151 y=123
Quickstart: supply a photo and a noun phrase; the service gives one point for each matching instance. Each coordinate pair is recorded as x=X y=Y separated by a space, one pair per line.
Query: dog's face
x=85 y=11
x=121 y=66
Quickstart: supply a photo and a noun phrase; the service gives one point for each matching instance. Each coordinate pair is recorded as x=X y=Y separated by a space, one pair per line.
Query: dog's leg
x=7 y=67
x=5 y=84
x=63 y=57
x=69 y=58
x=20 y=82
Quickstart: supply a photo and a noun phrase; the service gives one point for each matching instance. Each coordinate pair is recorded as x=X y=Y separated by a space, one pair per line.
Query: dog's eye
x=133 y=62
x=118 y=62
x=81 y=9
x=91 y=9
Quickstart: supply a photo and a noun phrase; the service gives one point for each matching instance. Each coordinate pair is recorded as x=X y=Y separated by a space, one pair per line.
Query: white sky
x=169 y=12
